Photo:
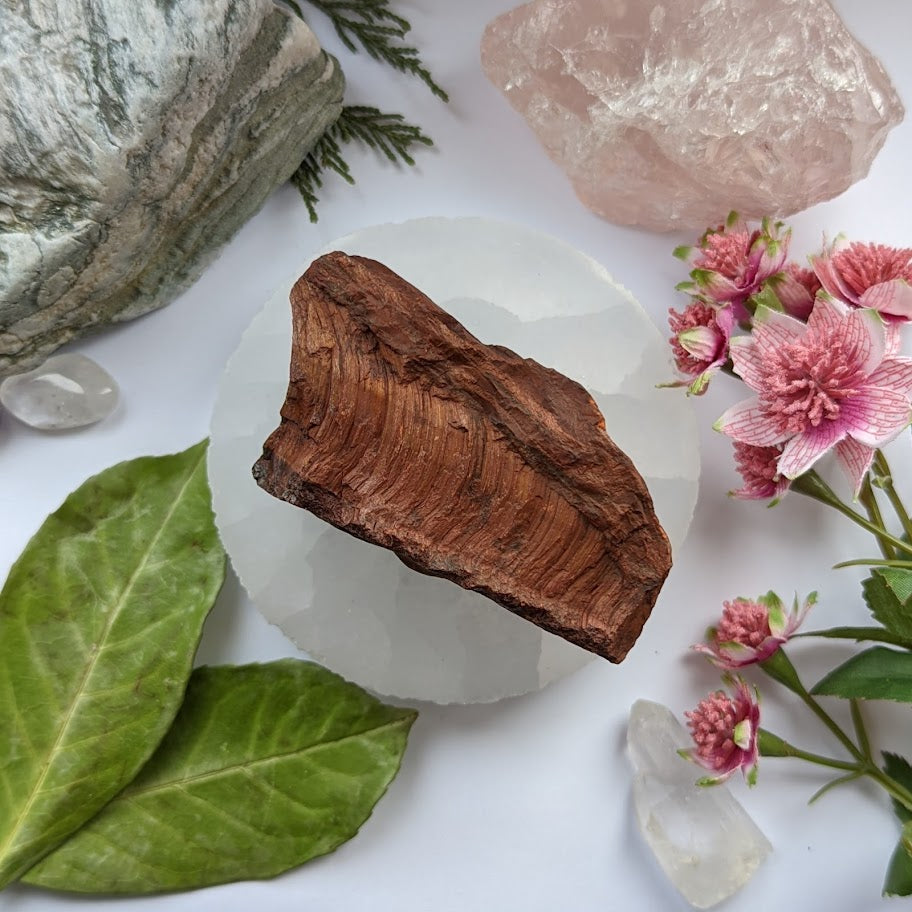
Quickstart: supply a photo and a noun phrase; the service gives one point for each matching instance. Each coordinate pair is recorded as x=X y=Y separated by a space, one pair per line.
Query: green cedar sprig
x=388 y=134
x=380 y=31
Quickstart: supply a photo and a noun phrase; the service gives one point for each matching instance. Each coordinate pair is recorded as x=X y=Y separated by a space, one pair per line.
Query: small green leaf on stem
x=876 y=674
x=898 y=880
x=898 y=768
x=888 y=594
x=265 y=767
x=833 y=783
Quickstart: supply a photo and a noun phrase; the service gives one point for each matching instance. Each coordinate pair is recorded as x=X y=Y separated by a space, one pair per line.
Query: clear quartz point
x=67 y=391
x=701 y=836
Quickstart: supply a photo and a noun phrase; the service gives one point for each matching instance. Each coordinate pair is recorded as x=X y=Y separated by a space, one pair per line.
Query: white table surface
x=522 y=805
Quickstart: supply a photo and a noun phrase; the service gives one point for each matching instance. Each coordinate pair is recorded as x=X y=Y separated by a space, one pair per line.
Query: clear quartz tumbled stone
x=701 y=836
x=67 y=391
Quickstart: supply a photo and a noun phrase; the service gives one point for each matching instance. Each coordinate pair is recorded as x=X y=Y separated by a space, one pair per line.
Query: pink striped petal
x=749 y=423
x=875 y=416
x=855 y=459
x=747 y=361
x=831 y=279
x=894 y=337
x=804 y=449
x=828 y=313
x=894 y=374
x=777 y=329
x=863 y=331
x=893 y=297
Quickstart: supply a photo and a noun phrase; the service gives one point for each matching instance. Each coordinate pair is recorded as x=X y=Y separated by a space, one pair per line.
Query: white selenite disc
x=356 y=607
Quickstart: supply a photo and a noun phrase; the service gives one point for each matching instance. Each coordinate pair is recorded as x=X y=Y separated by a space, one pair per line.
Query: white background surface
x=523 y=805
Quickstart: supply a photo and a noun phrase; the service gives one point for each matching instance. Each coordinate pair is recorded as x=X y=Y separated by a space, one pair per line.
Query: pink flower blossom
x=751 y=631
x=759 y=468
x=732 y=262
x=699 y=341
x=724 y=730
x=796 y=288
x=822 y=385
x=868 y=275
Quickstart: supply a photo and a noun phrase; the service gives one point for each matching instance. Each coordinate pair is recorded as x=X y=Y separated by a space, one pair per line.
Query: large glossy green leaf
x=99 y=621
x=265 y=767
x=875 y=674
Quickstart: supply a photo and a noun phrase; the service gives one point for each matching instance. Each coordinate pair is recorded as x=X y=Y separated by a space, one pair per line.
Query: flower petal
x=875 y=416
x=748 y=362
x=794 y=297
x=894 y=337
x=863 y=331
x=830 y=278
x=828 y=313
x=855 y=459
x=893 y=297
x=776 y=329
x=894 y=374
x=700 y=342
x=749 y=423
x=804 y=449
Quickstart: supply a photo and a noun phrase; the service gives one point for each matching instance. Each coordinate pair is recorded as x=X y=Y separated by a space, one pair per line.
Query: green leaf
x=99 y=621
x=898 y=881
x=876 y=674
x=888 y=593
x=265 y=767
x=898 y=768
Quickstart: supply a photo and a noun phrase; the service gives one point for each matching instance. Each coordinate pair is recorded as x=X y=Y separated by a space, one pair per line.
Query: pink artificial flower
x=724 y=730
x=796 y=288
x=822 y=385
x=759 y=468
x=732 y=262
x=699 y=341
x=751 y=631
x=868 y=275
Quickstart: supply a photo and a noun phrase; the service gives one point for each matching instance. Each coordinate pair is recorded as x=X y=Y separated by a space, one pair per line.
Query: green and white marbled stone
x=135 y=139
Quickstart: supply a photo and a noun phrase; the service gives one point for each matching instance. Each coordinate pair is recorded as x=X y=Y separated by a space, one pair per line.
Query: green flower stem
x=771 y=745
x=861 y=731
x=885 y=479
x=812 y=485
x=869 y=500
x=780 y=668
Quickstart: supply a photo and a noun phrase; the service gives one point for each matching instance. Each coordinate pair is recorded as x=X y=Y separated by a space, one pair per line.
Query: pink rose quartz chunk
x=668 y=115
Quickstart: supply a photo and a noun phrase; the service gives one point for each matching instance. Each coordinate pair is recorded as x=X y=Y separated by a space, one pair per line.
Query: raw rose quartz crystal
x=668 y=115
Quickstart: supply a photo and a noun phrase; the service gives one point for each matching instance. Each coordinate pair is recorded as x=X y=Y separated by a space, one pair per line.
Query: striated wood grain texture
x=468 y=461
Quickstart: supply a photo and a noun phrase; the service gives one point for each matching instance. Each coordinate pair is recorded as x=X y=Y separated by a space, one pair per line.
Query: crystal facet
x=702 y=837
x=67 y=391
x=670 y=114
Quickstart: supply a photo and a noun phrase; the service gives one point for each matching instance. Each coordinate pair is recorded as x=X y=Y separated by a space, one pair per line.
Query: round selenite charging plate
x=356 y=607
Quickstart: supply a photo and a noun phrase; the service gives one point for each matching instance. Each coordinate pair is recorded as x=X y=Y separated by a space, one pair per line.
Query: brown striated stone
x=468 y=461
